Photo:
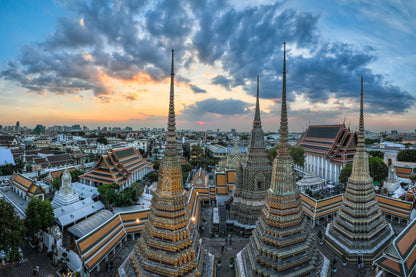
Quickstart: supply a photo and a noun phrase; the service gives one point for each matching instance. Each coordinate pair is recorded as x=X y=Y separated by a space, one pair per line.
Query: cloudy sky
x=107 y=63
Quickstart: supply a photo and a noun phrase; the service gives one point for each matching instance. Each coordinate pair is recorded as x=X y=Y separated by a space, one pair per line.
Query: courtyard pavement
x=18 y=202
x=32 y=257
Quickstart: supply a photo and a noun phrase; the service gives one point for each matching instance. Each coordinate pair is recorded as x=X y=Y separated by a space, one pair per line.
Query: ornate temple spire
x=169 y=244
x=281 y=244
x=257 y=120
x=361 y=138
x=360 y=166
x=284 y=152
x=252 y=177
x=171 y=133
x=367 y=231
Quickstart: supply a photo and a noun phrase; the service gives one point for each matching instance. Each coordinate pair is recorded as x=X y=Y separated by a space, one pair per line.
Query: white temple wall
x=322 y=167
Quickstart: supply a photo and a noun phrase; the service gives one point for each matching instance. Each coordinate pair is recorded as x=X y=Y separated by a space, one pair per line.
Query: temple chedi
x=233 y=159
x=252 y=178
x=66 y=195
x=359 y=232
x=281 y=244
x=170 y=244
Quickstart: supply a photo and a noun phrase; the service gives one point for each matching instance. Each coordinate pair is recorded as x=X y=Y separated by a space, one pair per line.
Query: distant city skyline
x=108 y=64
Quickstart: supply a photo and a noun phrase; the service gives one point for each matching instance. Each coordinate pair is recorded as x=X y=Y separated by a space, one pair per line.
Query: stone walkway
x=221 y=247
x=18 y=202
x=32 y=257
x=350 y=270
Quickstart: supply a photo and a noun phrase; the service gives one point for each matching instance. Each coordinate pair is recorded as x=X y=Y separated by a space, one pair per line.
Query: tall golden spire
x=283 y=152
x=360 y=166
x=171 y=132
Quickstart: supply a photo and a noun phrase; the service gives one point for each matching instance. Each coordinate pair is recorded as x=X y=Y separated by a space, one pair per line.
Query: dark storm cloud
x=212 y=106
x=123 y=38
x=197 y=89
x=222 y=81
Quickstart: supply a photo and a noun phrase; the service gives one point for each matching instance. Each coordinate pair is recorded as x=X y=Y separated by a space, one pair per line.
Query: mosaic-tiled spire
x=281 y=244
x=169 y=245
x=360 y=166
x=252 y=177
x=283 y=181
x=359 y=232
x=170 y=150
x=257 y=120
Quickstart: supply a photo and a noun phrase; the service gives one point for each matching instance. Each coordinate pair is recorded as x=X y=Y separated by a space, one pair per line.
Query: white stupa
x=66 y=195
x=312 y=182
x=392 y=183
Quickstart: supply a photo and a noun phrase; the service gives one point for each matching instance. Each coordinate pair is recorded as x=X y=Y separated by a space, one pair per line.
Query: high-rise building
x=281 y=244
x=253 y=177
x=359 y=232
x=170 y=244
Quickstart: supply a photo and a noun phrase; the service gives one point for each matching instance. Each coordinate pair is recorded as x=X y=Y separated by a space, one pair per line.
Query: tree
x=151 y=177
x=186 y=168
x=156 y=165
x=75 y=174
x=407 y=155
x=298 y=155
x=371 y=141
x=296 y=152
x=378 y=169
x=377 y=154
x=101 y=139
x=244 y=137
x=56 y=183
x=39 y=216
x=6 y=169
x=11 y=230
x=109 y=193
x=345 y=174
x=272 y=153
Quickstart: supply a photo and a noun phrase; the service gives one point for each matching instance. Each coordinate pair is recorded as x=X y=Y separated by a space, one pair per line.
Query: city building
x=359 y=233
x=253 y=177
x=281 y=244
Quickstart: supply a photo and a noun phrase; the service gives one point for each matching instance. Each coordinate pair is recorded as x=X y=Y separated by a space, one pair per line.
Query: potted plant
x=231 y=264
x=334 y=262
x=219 y=261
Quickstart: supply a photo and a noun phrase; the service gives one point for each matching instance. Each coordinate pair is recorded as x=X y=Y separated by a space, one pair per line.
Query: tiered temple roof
x=399 y=259
x=281 y=244
x=170 y=245
x=334 y=142
x=29 y=187
x=359 y=232
x=117 y=166
x=253 y=176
